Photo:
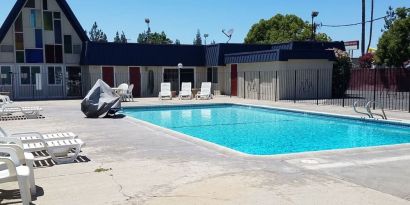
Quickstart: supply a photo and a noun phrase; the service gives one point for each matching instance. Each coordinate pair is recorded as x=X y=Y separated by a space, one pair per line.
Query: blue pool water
x=261 y=131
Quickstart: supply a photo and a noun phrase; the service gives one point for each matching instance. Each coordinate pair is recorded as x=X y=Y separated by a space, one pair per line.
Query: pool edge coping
x=231 y=152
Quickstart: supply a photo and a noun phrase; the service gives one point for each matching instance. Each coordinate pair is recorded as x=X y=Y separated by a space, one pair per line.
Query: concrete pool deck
x=148 y=165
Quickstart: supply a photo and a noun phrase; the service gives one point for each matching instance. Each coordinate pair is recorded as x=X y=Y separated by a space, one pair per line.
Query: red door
x=234 y=80
x=135 y=78
x=108 y=75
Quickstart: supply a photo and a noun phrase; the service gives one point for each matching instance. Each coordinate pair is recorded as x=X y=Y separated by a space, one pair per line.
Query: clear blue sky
x=180 y=19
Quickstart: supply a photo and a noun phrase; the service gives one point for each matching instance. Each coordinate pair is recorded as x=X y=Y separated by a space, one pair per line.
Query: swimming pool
x=263 y=131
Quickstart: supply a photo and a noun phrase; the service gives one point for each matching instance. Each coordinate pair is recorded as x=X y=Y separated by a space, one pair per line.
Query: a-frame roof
x=64 y=7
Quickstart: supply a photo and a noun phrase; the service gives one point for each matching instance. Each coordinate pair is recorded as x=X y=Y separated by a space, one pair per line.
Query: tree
x=123 y=38
x=282 y=28
x=366 y=61
x=120 y=39
x=117 y=38
x=394 y=45
x=153 y=38
x=177 y=42
x=96 y=34
x=341 y=73
x=198 y=38
x=389 y=19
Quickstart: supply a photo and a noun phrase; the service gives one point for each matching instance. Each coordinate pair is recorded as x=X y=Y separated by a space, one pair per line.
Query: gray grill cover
x=100 y=100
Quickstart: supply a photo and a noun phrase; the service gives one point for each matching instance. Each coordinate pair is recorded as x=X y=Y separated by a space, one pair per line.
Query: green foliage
x=117 y=38
x=282 y=28
x=177 y=42
x=153 y=38
x=393 y=48
x=198 y=38
x=96 y=34
x=341 y=73
x=120 y=39
x=123 y=38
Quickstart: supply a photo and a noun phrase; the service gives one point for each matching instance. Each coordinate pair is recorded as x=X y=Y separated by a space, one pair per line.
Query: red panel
x=234 y=80
x=108 y=75
x=135 y=78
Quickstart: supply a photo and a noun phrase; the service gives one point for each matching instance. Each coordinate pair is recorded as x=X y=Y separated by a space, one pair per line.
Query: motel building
x=46 y=54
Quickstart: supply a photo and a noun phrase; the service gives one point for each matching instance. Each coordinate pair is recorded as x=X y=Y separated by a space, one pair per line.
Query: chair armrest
x=37 y=134
x=10 y=165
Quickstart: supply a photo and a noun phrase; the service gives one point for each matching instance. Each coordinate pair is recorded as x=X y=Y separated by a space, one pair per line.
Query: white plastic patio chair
x=122 y=91
x=36 y=136
x=165 y=91
x=4 y=99
x=205 y=93
x=24 y=158
x=11 y=170
x=186 y=91
x=129 y=95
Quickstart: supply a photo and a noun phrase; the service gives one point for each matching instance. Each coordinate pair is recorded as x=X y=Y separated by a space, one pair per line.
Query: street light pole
x=314 y=14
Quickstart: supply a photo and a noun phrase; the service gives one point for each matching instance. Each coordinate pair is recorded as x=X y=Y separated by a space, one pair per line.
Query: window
x=68 y=44
x=19 y=56
x=55 y=75
x=48 y=20
x=45 y=5
x=35 y=19
x=6 y=48
x=57 y=32
x=39 y=38
x=28 y=74
x=34 y=56
x=77 y=49
x=57 y=15
x=18 y=25
x=30 y=4
x=5 y=75
x=54 y=54
x=19 y=41
x=212 y=75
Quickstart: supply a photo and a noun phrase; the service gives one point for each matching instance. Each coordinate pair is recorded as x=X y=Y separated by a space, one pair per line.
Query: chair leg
x=24 y=187
x=66 y=159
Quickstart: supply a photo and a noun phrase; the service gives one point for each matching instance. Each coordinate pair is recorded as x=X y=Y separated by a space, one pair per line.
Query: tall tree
x=393 y=48
x=371 y=26
x=123 y=38
x=198 y=38
x=117 y=38
x=96 y=34
x=177 y=42
x=363 y=26
x=153 y=38
x=282 y=28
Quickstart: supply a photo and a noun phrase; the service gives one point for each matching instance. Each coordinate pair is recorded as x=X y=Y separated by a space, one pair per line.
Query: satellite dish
x=228 y=34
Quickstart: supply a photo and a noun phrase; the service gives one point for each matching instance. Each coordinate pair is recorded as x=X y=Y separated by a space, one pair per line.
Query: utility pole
x=363 y=46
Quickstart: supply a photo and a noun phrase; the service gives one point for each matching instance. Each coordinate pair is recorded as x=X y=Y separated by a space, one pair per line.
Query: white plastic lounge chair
x=205 y=93
x=4 y=99
x=36 y=137
x=165 y=91
x=29 y=112
x=129 y=95
x=186 y=91
x=59 y=150
x=24 y=158
x=14 y=171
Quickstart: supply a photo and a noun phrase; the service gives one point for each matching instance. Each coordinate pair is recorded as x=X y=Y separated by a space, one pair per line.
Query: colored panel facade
x=34 y=55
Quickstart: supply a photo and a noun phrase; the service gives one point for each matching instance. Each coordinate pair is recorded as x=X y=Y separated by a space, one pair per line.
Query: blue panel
x=34 y=55
x=39 y=38
x=33 y=18
x=57 y=32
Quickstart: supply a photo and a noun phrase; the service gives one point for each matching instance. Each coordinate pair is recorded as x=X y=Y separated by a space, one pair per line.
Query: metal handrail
x=376 y=104
x=363 y=113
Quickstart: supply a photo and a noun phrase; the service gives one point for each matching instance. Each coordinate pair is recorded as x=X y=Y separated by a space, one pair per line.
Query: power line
x=353 y=24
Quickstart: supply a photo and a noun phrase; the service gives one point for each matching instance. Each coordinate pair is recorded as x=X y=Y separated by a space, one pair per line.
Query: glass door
x=74 y=88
